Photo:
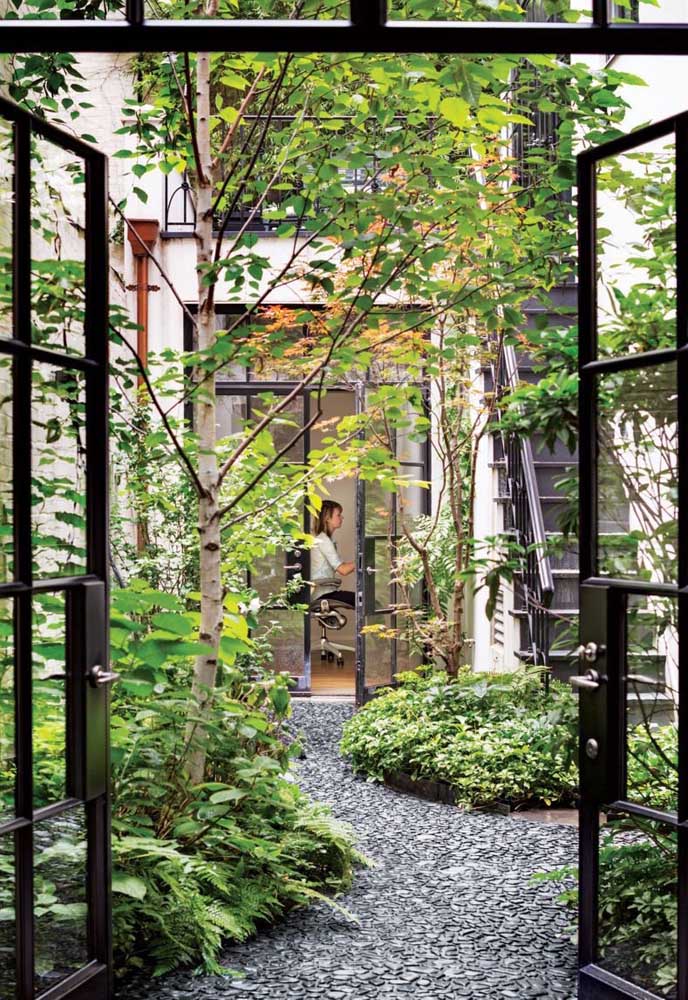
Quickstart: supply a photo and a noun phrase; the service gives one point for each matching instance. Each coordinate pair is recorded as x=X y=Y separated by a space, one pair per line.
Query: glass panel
x=411 y=500
x=378 y=650
x=636 y=262
x=637 y=903
x=6 y=465
x=637 y=478
x=60 y=906
x=49 y=700
x=533 y=11
x=285 y=426
x=231 y=414
x=268 y=575
x=6 y=220
x=231 y=372
x=8 y=928
x=408 y=447
x=652 y=702
x=380 y=570
x=284 y=630
x=59 y=471
x=58 y=248
x=378 y=510
x=7 y=744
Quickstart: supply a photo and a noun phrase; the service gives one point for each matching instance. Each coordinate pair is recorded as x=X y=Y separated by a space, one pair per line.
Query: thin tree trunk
x=205 y=670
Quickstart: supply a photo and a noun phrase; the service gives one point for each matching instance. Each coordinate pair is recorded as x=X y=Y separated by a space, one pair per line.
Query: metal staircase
x=544 y=608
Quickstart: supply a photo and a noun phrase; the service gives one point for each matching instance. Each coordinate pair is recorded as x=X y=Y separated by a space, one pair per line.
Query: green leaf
x=455 y=110
x=170 y=622
x=128 y=885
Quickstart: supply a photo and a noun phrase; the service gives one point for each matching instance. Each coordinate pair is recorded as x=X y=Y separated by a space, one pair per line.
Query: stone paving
x=448 y=911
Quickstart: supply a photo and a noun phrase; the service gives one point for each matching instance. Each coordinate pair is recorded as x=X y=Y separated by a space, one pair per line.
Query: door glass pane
x=652 y=702
x=637 y=902
x=60 y=906
x=59 y=471
x=6 y=465
x=636 y=250
x=268 y=575
x=379 y=571
x=58 y=248
x=637 y=474
x=412 y=499
x=6 y=210
x=378 y=650
x=7 y=922
x=378 y=510
x=7 y=733
x=284 y=631
x=49 y=700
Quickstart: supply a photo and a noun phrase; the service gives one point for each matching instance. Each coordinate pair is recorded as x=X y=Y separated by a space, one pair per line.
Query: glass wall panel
x=652 y=702
x=59 y=472
x=58 y=248
x=6 y=465
x=8 y=930
x=379 y=646
x=285 y=426
x=637 y=463
x=636 y=250
x=7 y=727
x=231 y=414
x=6 y=226
x=49 y=700
x=637 y=902
x=60 y=901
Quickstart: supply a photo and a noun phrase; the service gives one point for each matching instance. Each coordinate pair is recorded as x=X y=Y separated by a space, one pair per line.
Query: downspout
x=143 y=235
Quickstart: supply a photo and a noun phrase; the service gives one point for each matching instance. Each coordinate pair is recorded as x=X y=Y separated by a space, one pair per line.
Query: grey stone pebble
x=448 y=910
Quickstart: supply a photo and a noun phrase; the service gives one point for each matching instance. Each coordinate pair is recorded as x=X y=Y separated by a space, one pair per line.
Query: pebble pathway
x=448 y=911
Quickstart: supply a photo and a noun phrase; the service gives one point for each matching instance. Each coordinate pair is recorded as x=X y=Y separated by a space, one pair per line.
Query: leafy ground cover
x=196 y=864
x=496 y=738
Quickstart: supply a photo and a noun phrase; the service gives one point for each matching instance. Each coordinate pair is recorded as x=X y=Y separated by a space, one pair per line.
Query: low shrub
x=495 y=738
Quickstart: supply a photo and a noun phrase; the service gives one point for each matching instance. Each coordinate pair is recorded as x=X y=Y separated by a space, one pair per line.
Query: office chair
x=327 y=611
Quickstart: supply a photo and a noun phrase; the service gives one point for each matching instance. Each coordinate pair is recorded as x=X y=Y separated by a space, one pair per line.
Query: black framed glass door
x=381 y=652
x=54 y=678
x=633 y=316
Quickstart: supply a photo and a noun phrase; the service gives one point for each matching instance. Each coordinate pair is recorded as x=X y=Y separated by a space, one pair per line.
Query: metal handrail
x=524 y=497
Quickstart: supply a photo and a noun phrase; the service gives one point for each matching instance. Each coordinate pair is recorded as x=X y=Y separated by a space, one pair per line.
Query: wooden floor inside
x=329 y=679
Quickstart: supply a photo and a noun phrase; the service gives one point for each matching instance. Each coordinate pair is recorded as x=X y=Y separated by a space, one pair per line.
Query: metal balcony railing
x=180 y=211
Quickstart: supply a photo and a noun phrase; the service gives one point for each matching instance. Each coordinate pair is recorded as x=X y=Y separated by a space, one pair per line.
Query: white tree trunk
x=205 y=670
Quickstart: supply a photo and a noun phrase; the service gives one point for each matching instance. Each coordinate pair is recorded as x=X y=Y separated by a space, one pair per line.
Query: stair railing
x=529 y=526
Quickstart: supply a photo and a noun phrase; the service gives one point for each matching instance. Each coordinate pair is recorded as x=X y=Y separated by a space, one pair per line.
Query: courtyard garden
x=261 y=843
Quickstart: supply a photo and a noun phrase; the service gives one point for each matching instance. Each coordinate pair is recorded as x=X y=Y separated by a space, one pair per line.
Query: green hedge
x=496 y=738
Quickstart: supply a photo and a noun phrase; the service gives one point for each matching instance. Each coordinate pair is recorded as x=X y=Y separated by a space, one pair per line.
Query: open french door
x=54 y=677
x=381 y=651
x=633 y=366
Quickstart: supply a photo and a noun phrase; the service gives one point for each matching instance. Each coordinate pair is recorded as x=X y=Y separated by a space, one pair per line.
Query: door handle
x=642 y=679
x=98 y=676
x=370 y=570
x=293 y=565
x=589 y=652
x=589 y=681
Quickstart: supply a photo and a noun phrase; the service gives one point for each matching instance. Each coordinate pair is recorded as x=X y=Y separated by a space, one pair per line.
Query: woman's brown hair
x=326 y=511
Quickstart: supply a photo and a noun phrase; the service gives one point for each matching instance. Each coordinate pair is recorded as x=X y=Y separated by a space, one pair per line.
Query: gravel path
x=448 y=911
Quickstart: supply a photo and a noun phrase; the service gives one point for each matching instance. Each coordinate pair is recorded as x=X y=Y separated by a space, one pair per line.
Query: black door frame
x=604 y=599
x=367 y=30
x=86 y=596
